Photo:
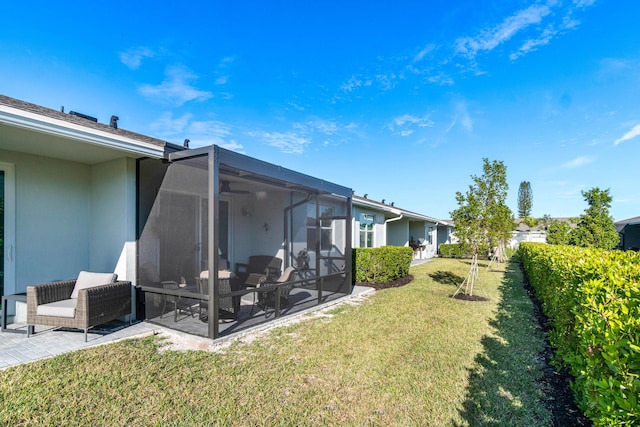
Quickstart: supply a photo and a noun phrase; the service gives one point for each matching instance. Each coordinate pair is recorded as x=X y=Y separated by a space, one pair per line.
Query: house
x=82 y=195
x=525 y=233
x=629 y=232
x=378 y=224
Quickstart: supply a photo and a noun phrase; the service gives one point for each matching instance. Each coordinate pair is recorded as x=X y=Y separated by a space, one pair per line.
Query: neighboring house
x=377 y=224
x=82 y=195
x=524 y=233
x=629 y=232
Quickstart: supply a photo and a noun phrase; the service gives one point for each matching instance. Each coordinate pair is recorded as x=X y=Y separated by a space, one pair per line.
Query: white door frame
x=9 y=227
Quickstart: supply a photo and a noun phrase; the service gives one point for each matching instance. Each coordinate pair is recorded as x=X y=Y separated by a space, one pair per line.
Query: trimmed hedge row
x=592 y=297
x=381 y=265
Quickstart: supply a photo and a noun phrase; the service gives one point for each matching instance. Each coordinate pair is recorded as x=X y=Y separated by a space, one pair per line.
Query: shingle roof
x=54 y=114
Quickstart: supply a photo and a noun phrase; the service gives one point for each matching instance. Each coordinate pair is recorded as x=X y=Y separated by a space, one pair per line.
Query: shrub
x=382 y=265
x=451 y=250
x=592 y=298
x=456 y=250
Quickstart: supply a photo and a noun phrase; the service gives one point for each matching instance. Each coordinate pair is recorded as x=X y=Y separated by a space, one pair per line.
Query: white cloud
x=441 y=79
x=633 y=133
x=176 y=88
x=167 y=126
x=355 y=82
x=422 y=122
x=287 y=142
x=462 y=114
x=424 y=52
x=324 y=126
x=201 y=133
x=583 y=3
x=233 y=145
x=491 y=38
x=132 y=58
x=405 y=125
x=545 y=37
x=578 y=162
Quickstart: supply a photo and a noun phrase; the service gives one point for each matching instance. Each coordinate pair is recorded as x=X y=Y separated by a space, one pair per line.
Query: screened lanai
x=226 y=241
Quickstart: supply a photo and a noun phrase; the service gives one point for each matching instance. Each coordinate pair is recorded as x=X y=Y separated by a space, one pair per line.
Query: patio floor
x=301 y=299
x=16 y=349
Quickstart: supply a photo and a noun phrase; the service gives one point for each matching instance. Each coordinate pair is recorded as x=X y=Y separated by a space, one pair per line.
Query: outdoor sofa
x=90 y=300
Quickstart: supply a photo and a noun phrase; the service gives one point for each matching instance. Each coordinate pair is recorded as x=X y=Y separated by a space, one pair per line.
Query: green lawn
x=406 y=356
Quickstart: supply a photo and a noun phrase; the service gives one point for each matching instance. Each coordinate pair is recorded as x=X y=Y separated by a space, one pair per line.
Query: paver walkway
x=16 y=348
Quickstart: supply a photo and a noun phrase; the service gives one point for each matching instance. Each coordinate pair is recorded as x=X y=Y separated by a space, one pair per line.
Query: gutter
x=394 y=219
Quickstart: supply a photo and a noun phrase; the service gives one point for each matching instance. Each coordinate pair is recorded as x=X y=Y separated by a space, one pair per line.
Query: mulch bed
x=555 y=382
x=394 y=284
x=465 y=297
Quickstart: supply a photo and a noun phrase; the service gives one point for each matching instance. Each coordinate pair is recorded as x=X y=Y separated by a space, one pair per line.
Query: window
x=430 y=235
x=367 y=222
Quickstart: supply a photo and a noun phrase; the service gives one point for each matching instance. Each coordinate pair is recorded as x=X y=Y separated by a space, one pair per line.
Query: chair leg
x=29 y=330
x=164 y=305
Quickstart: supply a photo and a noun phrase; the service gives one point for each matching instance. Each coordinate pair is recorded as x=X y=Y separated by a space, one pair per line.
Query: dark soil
x=555 y=382
x=465 y=297
x=394 y=284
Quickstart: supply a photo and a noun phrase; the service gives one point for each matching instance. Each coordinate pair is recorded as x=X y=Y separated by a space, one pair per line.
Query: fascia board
x=39 y=123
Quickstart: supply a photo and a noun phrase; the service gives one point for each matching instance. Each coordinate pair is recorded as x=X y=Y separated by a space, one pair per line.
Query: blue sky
x=399 y=100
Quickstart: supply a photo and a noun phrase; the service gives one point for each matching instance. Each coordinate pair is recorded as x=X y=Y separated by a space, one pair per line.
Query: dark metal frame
x=232 y=163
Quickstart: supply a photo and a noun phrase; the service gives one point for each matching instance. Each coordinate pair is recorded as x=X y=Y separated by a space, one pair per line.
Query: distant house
x=629 y=232
x=377 y=224
x=524 y=233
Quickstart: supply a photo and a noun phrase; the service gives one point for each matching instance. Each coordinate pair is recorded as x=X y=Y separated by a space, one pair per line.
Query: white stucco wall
x=52 y=218
x=527 y=236
x=379 y=229
x=112 y=221
x=251 y=212
x=72 y=217
x=398 y=233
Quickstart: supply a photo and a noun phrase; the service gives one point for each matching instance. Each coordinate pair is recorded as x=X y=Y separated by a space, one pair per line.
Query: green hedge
x=592 y=298
x=455 y=250
x=381 y=265
x=451 y=250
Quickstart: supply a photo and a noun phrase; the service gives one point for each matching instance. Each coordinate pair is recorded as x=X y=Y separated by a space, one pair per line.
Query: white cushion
x=63 y=308
x=88 y=279
x=222 y=274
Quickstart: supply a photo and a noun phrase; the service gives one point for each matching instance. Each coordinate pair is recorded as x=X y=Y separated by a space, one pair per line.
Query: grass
x=406 y=356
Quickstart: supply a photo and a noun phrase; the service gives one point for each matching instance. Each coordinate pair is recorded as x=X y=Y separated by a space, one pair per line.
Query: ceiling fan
x=226 y=188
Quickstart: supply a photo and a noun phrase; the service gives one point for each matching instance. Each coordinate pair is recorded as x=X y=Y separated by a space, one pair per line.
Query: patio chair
x=259 y=266
x=268 y=299
x=228 y=307
x=90 y=300
x=179 y=303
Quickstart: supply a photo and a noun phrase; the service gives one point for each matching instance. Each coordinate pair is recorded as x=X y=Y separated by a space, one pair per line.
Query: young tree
x=525 y=199
x=545 y=221
x=482 y=218
x=595 y=226
x=559 y=233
